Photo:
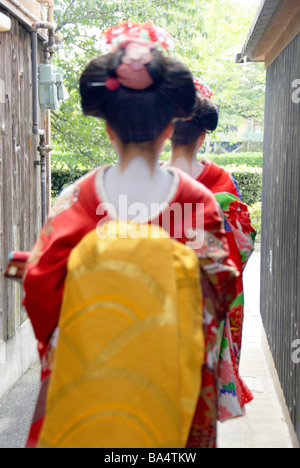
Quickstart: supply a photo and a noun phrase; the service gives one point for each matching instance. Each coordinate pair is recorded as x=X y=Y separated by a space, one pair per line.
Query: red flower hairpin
x=137 y=41
x=203 y=88
x=115 y=36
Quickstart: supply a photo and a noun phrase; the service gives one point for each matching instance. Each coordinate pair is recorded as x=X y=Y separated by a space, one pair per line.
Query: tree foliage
x=207 y=35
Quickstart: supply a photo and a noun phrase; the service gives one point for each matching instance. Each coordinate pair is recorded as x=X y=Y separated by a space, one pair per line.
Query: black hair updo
x=205 y=118
x=138 y=115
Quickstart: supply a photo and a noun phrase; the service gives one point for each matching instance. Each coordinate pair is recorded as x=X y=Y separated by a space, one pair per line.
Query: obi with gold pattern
x=127 y=369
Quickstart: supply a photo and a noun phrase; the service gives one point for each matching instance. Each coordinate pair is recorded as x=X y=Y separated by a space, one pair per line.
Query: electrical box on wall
x=51 y=88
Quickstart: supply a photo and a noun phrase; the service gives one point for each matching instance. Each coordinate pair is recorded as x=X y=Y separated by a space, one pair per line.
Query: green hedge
x=62 y=177
x=238 y=159
x=249 y=181
x=255 y=216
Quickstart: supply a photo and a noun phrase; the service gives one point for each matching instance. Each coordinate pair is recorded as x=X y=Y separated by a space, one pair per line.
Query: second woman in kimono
x=223 y=374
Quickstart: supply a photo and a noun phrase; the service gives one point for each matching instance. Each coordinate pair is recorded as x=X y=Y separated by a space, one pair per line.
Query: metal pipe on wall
x=48 y=132
x=34 y=46
x=43 y=148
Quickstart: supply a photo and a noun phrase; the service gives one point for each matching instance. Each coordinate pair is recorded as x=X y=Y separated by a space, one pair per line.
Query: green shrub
x=249 y=181
x=255 y=215
x=81 y=161
x=238 y=159
x=62 y=177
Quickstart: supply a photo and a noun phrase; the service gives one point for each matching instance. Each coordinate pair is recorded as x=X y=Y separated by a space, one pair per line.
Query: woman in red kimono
x=137 y=90
x=222 y=374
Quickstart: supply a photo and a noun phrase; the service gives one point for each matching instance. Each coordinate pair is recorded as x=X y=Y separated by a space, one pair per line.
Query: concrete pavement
x=265 y=425
x=16 y=409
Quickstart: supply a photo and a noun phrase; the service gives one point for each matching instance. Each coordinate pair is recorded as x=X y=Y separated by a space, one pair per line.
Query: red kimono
x=77 y=212
x=223 y=382
x=239 y=232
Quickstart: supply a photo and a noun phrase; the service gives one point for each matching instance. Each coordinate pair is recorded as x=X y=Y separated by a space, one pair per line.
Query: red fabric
x=47 y=267
x=20 y=256
x=39 y=415
x=216 y=179
x=74 y=215
x=203 y=432
x=16 y=266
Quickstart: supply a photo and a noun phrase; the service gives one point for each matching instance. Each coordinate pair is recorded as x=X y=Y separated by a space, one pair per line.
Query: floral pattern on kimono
x=232 y=392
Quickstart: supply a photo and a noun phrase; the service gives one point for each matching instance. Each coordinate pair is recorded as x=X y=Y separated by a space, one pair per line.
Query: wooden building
x=275 y=39
x=20 y=181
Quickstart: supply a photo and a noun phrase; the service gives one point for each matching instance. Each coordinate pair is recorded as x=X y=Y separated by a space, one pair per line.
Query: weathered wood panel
x=19 y=178
x=280 y=301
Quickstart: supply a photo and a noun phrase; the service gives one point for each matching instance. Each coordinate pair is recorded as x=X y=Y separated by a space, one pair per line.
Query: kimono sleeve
x=219 y=272
x=238 y=221
x=47 y=265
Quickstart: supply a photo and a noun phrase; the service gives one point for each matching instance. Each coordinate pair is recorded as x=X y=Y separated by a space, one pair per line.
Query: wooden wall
x=280 y=301
x=19 y=177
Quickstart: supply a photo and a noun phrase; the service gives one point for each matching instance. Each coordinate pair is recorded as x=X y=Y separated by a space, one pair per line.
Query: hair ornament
x=137 y=53
x=112 y=84
x=116 y=36
x=137 y=41
x=134 y=78
x=203 y=88
x=204 y=91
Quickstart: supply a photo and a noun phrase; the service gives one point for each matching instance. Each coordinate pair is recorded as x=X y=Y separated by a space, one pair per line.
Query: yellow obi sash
x=127 y=371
